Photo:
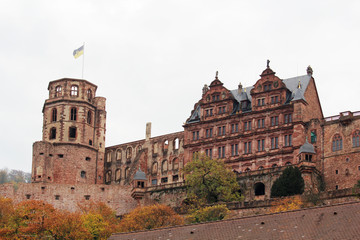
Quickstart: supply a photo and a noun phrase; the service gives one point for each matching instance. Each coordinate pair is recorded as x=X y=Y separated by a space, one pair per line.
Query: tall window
x=88 y=120
x=247 y=126
x=58 y=91
x=74 y=91
x=209 y=133
x=261 y=145
x=195 y=135
x=247 y=147
x=221 y=131
x=234 y=150
x=234 y=128
x=261 y=123
x=54 y=115
x=274 y=142
x=288 y=118
x=221 y=152
x=313 y=136
x=355 y=138
x=288 y=140
x=208 y=152
x=89 y=94
x=337 y=143
x=72 y=132
x=274 y=121
x=73 y=114
x=52 y=133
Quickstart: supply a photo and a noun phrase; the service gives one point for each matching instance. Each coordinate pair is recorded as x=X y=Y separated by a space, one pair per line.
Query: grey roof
x=140 y=175
x=307 y=148
x=293 y=83
x=241 y=96
x=195 y=117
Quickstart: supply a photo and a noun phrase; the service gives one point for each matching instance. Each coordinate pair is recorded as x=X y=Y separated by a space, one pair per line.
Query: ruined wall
x=341 y=165
x=68 y=196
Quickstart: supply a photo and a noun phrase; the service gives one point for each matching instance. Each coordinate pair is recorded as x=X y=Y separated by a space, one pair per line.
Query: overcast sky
x=150 y=59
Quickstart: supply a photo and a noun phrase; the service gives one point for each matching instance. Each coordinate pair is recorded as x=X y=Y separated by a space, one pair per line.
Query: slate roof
x=329 y=222
x=307 y=148
x=140 y=175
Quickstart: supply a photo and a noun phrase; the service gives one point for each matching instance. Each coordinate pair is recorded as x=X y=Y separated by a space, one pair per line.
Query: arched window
x=274 y=165
x=154 y=168
x=247 y=170
x=117 y=175
x=337 y=143
x=58 y=91
x=166 y=144
x=74 y=91
x=176 y=164
x=108 y=156
x=118 y=155
x=176 y=143
x=54 y=115
x=259 y=189
x=108 y=177
x=261 y=168
x=89 y=94
x=73 y=114
x=288 y=163
x=126 y=173
x=53 y=133
x=355 y=138
x=128 y=153
x=164 y=166
x=88 y=120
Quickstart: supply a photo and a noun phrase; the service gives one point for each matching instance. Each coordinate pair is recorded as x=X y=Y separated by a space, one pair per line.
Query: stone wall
x=67 y=196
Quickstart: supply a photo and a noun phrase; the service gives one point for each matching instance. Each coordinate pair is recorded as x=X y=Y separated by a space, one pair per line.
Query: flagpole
x=82 y=75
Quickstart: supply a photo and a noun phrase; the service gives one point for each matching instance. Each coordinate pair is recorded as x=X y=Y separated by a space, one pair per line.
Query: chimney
x=148 y=131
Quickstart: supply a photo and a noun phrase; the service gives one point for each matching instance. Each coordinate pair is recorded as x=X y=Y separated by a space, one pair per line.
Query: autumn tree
x=207 y=214
x=210 y=181
x=286 y=204
x=289 y=183
x=6 y=213
x=150 y=217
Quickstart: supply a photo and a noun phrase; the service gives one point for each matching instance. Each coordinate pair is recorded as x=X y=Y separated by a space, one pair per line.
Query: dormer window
x=267 y=87
x=215 y=97
x=74 y=91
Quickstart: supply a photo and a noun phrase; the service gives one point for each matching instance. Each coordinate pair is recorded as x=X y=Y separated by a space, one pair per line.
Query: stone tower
x=73 y=143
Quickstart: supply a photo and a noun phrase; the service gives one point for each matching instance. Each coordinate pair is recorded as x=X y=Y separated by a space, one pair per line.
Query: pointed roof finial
x=216 y=76
x=309 y=70
x=299 y=85
x=267 y=63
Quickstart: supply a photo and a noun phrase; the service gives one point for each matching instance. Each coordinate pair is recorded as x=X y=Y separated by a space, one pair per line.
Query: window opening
x=88 y=120
x=58 y=91
x=259 y=189
x=89 y=94
x=54 y=115
x=337 y=143
x=73 y=114
x=355 y=139
x=72 y=132
x=74 y=91
x=83 y=174
x=53 y=133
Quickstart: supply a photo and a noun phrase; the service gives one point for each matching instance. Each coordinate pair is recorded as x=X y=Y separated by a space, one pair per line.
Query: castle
x=257 y=131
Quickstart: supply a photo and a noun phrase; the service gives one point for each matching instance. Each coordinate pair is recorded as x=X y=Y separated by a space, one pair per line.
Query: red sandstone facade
x=256 y=130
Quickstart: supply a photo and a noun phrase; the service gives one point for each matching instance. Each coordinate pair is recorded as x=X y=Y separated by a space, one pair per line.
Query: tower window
x=88 y=120
x=54 y=115
x=89 y=94
x=58 y=91
x=73 y=114
x=74 y=91
x=52 y=133
x=72 y=132
x=83 y=174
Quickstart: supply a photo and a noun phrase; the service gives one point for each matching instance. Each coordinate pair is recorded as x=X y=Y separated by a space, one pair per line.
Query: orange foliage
x=287 y=204
x=149 y=217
